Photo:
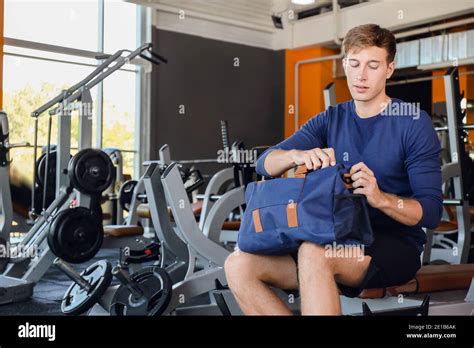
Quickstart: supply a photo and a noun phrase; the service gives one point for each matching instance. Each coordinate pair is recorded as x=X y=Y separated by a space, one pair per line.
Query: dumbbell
x=145 y=293
x=88 y=288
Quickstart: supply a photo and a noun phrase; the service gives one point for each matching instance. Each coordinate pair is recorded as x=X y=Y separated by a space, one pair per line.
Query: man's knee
x=238 y=267
x=316 y=256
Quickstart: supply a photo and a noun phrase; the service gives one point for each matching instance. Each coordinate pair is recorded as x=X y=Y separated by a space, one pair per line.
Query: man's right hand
x=314 y=159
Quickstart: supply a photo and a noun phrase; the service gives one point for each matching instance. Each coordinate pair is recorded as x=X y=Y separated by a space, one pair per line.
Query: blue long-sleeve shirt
x=401 y=148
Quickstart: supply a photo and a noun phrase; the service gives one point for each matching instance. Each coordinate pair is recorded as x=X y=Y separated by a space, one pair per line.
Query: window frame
x=142 y=69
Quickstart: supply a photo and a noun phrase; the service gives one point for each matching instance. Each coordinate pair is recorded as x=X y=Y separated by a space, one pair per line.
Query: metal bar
x=8 y=41
x=33 y=186
x=46 y=168
x=126 y=281
x=76 y=148
x=297 y=69
x=196 y=161
x=427 y=78
x=100 y=87
x=72 y=274
x=164 y=154
x=6 y=210
x=329 y=95
x=81 y=83
x=446 y=64
x=103 y=71
x=452 y=202
x=453 y=109
x=57 y=60
x=63 y=151
x=432 y=28
x=446 y=128
x=47 y=59
x=211 y=160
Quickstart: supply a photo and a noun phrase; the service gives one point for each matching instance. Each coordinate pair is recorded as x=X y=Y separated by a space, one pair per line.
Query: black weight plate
x=156 y=284
x=80 y=235
x=41 y=168
x=53 y=232
x=126 y=193
x=77 y=300
x=91 y=171
x=76 y=235
x=4 y=259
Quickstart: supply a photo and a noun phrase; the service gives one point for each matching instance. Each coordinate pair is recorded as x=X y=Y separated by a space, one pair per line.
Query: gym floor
x=49 y=291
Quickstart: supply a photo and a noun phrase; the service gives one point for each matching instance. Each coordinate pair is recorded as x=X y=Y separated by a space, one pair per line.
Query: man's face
x=366 y=72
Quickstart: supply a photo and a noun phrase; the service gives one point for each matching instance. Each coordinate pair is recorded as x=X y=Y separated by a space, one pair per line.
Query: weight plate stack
x=76 y=235
x=91 y=171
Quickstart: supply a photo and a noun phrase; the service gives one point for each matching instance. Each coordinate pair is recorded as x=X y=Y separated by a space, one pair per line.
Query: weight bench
x=143 y=210
x=120 y=236
x=446 y=280
x=122 y=231
x=430 y=278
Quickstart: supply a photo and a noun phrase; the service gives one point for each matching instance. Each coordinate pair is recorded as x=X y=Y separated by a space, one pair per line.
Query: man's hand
x=314 y=158
x=365 y=183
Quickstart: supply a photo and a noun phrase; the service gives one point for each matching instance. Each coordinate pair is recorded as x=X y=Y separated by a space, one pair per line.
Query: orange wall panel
x=313 y=78
x=466 y=84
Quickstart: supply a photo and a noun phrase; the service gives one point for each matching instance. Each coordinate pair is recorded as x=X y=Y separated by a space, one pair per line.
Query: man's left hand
x=365 y=183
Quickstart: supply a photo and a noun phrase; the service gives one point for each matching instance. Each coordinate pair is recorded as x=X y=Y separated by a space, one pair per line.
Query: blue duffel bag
x=319 y=207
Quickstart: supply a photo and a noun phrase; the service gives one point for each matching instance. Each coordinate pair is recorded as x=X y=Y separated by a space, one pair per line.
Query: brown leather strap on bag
x=291 y=214
x=347 y=180
x=256 y=221
x=301 y=171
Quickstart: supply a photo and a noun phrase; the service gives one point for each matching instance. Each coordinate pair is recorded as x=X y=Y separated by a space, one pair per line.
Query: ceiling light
x=302 y=2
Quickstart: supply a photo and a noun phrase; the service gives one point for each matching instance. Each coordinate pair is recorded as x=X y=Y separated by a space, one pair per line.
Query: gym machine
x=112 y=203
x=89 y=171
x=329 y=95
x=190 y=264
x=457 y=171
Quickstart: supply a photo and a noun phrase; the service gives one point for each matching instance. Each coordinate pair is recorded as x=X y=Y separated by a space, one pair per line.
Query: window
x=119 y=116
x=28 y=84
x=120 y=22
x=57 y=22
x=34 y=75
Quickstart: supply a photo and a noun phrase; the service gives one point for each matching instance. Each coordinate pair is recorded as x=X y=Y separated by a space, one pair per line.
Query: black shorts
x=394 y=261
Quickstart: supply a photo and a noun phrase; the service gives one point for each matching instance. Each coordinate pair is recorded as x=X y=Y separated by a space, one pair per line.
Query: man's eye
x=354 y=65
x=373 y=66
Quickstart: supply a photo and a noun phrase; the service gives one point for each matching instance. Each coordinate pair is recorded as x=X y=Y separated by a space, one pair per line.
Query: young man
x=393 y=152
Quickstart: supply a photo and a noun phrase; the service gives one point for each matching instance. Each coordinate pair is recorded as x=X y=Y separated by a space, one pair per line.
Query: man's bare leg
x=318 y=274
x=249 y=277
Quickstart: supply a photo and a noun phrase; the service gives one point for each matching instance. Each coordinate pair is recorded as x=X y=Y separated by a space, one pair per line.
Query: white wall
x=239 y=27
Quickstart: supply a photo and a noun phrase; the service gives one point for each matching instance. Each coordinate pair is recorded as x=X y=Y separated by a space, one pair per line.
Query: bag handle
x=302 y=171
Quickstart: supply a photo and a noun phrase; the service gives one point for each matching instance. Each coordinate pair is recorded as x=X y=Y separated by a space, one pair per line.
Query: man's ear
x=390 y=69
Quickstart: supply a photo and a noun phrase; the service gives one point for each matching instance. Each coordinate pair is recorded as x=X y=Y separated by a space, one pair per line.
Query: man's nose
x=361 y=74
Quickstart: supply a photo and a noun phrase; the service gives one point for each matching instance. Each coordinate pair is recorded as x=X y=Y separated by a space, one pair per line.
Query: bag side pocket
x=351 y=218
